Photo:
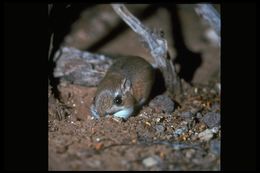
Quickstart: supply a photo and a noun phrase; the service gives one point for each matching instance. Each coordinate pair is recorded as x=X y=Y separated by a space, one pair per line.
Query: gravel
x=159 y=128
x=180 y=131
x=206 y=135
x=186 y=114
x=212 y=119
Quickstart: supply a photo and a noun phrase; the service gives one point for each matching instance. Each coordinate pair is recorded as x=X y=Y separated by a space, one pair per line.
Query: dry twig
x=208 y=13
x=157 y=47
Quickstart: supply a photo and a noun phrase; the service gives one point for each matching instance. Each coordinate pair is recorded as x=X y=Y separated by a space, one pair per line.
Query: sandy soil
x=164 y=135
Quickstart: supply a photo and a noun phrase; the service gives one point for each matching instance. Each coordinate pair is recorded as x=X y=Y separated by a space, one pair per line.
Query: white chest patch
x=125 y=113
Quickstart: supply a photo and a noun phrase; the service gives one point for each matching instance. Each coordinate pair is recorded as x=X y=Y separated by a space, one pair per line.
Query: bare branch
x=157 y=47
x=211 y=16
x=50 y=6
x=50 y=46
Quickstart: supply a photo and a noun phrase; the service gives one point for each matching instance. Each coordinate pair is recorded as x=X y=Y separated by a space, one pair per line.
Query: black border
x=238 y=78
x=25 y=86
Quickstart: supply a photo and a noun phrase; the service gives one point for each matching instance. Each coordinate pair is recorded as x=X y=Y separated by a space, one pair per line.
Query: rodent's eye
x=118 y=100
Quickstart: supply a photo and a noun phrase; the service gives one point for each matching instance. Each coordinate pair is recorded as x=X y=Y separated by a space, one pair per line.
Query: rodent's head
x=117 y=100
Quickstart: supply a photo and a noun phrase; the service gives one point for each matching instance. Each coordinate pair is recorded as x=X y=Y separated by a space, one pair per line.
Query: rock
x=215 y=129
x=186 y=114
x=151 y=161
x=159 y=119
x=99 y=145
x=215 y=147
x=78 y=67
x=206 y=135
x=212 y=119
x=159 y=128
x=180 y=131
x=218 y=87
x=162 y=103
x=198 y=115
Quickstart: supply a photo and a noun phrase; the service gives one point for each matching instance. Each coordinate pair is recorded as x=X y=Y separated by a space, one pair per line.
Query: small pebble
x=183 y=123
x=215 y=147
x=198 y=115
x=186 y=114
x=196 y=102
x=143 y=114
x=151 y=161
x=147 y=123
x=206 y=135
x=218 y=87
x=94 y=163
x=196 y=90
x=162 y=103
x=159 y=128
x=98 y=146
x=215 y=107
x=212 y=119
x=215 y=129
x=159 y=119
x=194 y=110
x=168 y=137
x=202 y=127
x=117 y=119
x=179 y=131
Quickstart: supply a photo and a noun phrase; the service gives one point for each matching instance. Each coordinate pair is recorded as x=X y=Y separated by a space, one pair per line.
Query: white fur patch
x=124 y=113
x=94 y=111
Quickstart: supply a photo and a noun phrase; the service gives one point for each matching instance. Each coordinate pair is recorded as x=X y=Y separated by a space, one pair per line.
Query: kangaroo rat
x=124 y=89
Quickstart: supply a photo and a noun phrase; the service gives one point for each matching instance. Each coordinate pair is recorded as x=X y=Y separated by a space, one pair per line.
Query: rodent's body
x=125 y=87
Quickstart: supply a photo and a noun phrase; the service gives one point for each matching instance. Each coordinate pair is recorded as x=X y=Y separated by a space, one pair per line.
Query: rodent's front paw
x=94 y=111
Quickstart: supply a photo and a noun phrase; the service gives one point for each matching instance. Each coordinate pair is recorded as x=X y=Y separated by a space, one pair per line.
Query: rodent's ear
x=126 y=85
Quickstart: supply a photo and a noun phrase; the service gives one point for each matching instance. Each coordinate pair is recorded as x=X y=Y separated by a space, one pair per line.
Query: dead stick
x=209 y=14
x=157 y=47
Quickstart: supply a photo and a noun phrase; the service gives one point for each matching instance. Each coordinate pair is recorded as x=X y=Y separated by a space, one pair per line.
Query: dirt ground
x=165 y=134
